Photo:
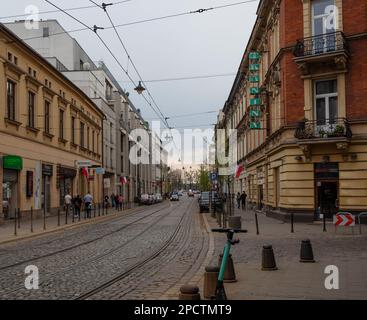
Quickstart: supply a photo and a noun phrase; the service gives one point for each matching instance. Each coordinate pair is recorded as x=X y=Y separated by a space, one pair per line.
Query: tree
x=203 y=179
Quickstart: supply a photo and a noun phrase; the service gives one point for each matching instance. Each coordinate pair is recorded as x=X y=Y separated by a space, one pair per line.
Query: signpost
x=344 y=219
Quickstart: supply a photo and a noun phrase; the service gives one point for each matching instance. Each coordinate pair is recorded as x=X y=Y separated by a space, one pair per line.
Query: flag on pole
x=85 y=172
x=239 y=170
x=123 y=180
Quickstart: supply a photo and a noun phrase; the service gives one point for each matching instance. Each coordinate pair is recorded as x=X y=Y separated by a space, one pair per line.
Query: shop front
x=327 y=188
x=12 y=165
x=65 y=182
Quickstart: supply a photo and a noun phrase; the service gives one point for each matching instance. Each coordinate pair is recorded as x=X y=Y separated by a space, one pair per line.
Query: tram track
x=139 y=264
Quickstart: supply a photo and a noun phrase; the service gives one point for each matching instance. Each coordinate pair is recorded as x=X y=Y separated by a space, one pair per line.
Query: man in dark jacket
x=243 y=200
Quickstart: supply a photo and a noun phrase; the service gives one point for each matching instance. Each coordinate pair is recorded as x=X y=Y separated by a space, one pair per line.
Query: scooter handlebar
x=226 y=230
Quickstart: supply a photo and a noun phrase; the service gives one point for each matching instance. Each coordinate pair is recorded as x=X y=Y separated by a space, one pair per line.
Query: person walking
x=243 y=200
x=77 y=206
x=113 y=200
x=67 y=202
x=238 y=198
x=120 y=201
x=88 y=199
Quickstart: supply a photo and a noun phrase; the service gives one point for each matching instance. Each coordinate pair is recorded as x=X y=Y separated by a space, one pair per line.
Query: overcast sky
x=191 y=45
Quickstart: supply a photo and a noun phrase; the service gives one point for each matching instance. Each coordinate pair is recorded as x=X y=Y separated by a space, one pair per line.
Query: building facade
x=43 y=133
x=59 y=48
x=299 y=105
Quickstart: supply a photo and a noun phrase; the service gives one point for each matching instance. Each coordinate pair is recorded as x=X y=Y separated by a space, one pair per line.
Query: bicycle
x=220 y=293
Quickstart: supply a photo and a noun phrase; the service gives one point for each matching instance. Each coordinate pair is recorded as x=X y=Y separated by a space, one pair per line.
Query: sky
x=208 y=43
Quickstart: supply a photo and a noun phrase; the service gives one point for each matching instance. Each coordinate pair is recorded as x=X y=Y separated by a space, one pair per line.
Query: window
x=10 y=56
x=11 y=99
x=93 y=140
x=31 y=107
x=82 y=134
x=34 y=73
x=46 y=32
x=122 y=164
x=111 y=133
x=108 y=91
x=81 y=64
x=15 y=60
x=88 y=144
x=97 y=143
x=326 y=102
x=61 y=124
x=111 y=158
x=47 y=117
x=73 y=130
x=322 y=25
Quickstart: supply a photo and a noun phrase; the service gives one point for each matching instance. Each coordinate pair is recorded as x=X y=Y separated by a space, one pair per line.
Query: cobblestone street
x=137 y=256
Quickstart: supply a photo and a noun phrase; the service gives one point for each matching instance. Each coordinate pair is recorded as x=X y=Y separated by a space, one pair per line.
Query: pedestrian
x=106 y=201
x=120 y=201
x=88 y=199
x=113 y=200
x=67 y=202
x=243 y=200
x=117 y=201
x=77 y=205
x=238 y=198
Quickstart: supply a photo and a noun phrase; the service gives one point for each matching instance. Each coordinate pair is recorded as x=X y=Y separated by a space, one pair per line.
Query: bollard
x=324 y=222
x=15 y=222
x=72 y=214
x=66 y=215
x=306 y=252
x=19 y=216
x=210 y=281
x=44 y=218
x=31 y=219
x=94 y=209
x=292 y=223
x=99 y=209
x=58 y=217
x=257 y=224
x=234 y=222
x=188 y=292
x=229 y=273
x=268 y=259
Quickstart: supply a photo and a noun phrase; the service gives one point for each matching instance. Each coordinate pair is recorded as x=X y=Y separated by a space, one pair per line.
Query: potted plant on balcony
x=322 y=133
x=339 y=131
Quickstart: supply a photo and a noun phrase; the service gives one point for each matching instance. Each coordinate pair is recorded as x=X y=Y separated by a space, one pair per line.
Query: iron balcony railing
x=323 y=129
x=321 y=44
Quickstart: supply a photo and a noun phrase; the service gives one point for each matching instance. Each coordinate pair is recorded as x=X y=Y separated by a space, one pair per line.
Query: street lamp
x=139 y=89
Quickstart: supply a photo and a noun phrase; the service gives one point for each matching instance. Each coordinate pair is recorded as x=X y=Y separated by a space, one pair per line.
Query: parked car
x=191 y=193
x=204 y=201
x=158 y=198
x=145 y=199
x=174 y=197
x=180 y=193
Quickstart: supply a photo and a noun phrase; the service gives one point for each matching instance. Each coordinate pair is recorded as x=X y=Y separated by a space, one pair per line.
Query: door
x=326 y=106
x=46 y=195
x=323 y=26
x=327 y=198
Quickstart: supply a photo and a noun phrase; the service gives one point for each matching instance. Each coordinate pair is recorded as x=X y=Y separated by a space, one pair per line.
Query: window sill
x=48 y=135
x=32 y=129
x=83 y=149
x=13 y=122
x=74 y=145
x=63 y=141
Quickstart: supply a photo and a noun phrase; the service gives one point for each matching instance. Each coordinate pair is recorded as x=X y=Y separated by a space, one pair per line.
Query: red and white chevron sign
x=344 y=219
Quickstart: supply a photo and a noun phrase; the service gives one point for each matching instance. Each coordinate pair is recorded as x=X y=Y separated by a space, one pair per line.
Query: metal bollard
x=94 y=207
x=58 y=217
x=257 y=224
x=66 y=215
x=31 y=219
x=15 y=222
x=72 y=214
x=324 y=222
x=268 y=259
x=210 y=281
x=99 y=209
x=292 y=223
x=229 y=273
x=19 y=216
x=44 y=218
x=188 y=292
x=306 y=252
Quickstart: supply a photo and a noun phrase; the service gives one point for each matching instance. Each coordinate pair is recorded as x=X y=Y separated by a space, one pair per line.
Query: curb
x=66 y=227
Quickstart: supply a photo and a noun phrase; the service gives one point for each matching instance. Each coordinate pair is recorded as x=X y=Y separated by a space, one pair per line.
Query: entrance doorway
x=327 y=188
x=10 y=193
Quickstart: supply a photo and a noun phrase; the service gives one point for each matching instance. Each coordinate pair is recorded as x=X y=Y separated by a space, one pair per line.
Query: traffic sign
x=344 y=219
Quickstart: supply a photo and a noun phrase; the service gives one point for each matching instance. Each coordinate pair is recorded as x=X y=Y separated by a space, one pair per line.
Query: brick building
x=299 y=104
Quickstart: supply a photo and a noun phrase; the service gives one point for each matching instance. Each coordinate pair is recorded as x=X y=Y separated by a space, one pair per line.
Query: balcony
x=322 y=53
x=324 y=131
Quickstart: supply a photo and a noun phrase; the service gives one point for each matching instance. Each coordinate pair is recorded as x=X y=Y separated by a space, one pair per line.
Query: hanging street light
x=139 y=89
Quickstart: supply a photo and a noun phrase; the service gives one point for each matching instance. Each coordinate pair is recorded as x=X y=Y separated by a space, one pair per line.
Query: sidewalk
x=7 y=230
x=295 y=280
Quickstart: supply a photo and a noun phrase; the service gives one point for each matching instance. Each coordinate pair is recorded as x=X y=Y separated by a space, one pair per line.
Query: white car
x=174 y=197
x=158 y=197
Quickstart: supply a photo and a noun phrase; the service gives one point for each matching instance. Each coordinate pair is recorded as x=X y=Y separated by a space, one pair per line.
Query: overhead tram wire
x=106 y=46
x=54 y=11
x=146 y=20
x=104 y=8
